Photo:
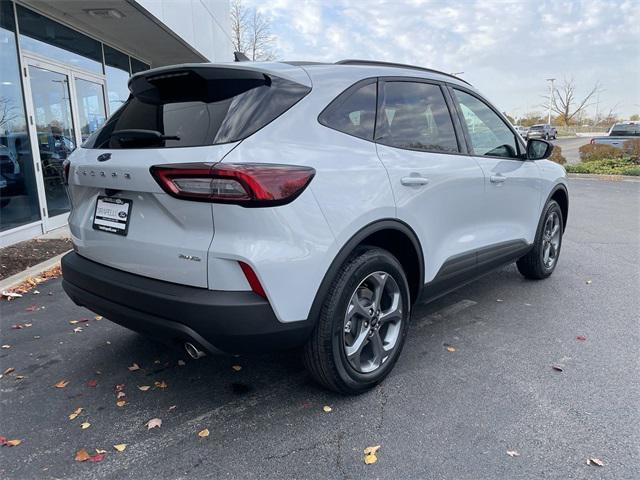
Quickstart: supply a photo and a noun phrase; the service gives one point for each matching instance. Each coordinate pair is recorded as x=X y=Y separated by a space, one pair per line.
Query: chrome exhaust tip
x=193 y=351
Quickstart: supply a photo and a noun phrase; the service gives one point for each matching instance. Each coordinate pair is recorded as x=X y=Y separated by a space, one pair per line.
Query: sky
x=506 y=48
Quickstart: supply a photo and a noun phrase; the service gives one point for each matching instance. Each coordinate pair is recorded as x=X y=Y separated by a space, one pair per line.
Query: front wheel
x=363 y=323
x=542 y=259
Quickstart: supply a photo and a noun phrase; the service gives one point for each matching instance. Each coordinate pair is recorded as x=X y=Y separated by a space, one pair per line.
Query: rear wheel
x=542 y=259
x=363 y=323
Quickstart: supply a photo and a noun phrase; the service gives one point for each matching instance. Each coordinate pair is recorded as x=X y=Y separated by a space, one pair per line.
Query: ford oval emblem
x=104 y=157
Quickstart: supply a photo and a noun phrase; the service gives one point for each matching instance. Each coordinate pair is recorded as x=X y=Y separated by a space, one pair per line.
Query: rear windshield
x=625 y=130
x=196 y=107
x=537 y=127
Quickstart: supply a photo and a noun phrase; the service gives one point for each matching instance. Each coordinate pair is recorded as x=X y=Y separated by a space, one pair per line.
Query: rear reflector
x=252 y=278
x=246 y=184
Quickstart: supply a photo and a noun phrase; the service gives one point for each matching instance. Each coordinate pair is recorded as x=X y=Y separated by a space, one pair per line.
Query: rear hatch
x=121 y=217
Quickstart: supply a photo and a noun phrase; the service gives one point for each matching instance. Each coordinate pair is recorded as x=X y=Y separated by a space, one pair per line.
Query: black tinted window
x=488 y=133
x=415 y=116
x=353 y=112
x=196 y=108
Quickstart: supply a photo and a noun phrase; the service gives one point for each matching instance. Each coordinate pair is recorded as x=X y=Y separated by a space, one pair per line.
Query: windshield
x=625 y=130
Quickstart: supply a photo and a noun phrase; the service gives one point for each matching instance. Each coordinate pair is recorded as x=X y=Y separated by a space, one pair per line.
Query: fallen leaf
x=85 y=425
x=62 y=384
x=558 y=368
x=327 y=408
x=32 y=308
x=595 y=461
x=20 y=377
x=17 y=326
x=82 y=455
x=451 y=349
x=120 y=395
x=499 y=300
x=154 y=423
x=203 y=433
x=92 y=383
x=588 y=282
x=172 y=407
x=119 y=387
x=120 y=447
x=36 y=292
x=181 y=363
x=121 y=403
x=157 y=362
x=144 y=388
x=13 y=443
x=100 y=451
x=6 y=346
x=73 y=322
x=237 y=368
x=161 y=384
x=11 y=295
x=75 y=413
x=98 y=317
x=27 y=325
x=513 y=453
x=582 y=338
x=9 y=370
x=134 y=367
x=77 y=330
x=370 y=454
x=98 y=457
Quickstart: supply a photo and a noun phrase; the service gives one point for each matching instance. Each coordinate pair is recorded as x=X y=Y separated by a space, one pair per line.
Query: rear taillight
x=246 y=184
x=66 y=166
x=252 y=278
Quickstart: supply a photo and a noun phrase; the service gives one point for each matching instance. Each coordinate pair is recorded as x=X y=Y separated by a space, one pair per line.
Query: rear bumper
x=216 y=321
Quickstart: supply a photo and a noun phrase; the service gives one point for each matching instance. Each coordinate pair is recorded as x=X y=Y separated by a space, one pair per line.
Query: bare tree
x=251 y=32
x=8 y=111
x=566 y=103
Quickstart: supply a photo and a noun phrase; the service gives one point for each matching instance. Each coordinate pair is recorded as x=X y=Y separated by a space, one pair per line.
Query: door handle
x=414 y=181
x=497 y=178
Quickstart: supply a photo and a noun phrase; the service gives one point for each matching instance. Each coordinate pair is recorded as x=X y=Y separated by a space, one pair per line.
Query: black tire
x=325 y=352
x=533 y=265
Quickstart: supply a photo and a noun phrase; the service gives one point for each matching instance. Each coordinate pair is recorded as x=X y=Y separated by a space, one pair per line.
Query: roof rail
x=397 y=65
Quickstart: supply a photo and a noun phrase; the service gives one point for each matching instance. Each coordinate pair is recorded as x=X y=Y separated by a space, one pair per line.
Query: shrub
x=621 y=166
x=556 y=155
x=593 y=152
x=632 y=149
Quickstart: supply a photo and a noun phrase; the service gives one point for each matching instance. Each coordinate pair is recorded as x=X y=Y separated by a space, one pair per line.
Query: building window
x=50 y=39
x=18 y=191
x=138 y=66
x=117 y=73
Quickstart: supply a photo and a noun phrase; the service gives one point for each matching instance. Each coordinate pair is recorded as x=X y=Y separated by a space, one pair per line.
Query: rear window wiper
x=138 y=135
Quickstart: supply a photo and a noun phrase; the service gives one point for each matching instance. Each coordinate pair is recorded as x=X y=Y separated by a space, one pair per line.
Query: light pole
x=550 y=96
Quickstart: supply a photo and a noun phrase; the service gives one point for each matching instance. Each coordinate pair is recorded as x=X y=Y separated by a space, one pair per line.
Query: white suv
x=251 y=206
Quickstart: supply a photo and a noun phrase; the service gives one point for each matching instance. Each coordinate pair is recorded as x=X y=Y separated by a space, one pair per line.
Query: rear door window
x=353 y=112
x=414 y=115
x=197 y=107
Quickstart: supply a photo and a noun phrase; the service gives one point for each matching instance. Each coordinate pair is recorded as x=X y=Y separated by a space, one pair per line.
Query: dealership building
x=64 y=67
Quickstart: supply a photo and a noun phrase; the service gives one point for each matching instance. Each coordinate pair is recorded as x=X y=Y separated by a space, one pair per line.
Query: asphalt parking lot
x=570 y=147
x=440 y=414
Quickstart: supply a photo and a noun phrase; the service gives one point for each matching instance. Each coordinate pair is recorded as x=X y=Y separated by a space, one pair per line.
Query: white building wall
x=203 y=24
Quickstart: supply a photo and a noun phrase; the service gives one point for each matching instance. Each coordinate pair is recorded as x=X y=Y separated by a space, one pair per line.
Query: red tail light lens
x=246 y=184
x=252 y=278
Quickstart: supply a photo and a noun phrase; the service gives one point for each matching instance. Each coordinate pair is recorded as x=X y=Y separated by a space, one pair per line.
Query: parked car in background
x=542 y=130
x=522 y=131
x=618 y=134
x=341 y=195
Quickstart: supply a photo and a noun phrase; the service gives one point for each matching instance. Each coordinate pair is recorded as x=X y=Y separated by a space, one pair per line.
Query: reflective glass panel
x=18 y=190
x=56 y=137
x=90 y=100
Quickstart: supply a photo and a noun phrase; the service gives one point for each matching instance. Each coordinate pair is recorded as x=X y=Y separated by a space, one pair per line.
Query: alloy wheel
x=372 y=322
x=551 y=240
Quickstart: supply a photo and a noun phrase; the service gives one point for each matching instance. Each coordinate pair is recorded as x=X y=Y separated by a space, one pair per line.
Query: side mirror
x=538 y=149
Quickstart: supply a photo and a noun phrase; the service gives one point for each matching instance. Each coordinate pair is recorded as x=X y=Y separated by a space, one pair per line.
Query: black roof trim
x=397 y=65
x=302 y=63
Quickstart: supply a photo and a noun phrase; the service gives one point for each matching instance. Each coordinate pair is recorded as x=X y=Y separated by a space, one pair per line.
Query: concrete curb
x=34 y=271
x=601 y=177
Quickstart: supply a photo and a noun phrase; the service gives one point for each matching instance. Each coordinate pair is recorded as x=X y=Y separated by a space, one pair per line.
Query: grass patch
x=611 y=166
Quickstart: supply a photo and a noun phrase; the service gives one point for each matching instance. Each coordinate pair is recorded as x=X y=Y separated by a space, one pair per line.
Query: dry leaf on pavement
x=92 y=383
x=181 y=363
x=581 y=338
x=327 y=408
x=370 y=454
x=595 y=461
x=75 y=413
x=513 y=453
x=62 y=384
x=98 y=317
x=85 y=425
x=557 y=368
x=154 y=423
x=121 y=403
x=134 y=367
x=237 y=368
x=6 y=346
x=120 y=447
x=8 y=371
x=203 y=433
x=82 y=455
x=161 y=384
x=98 y=457
x=9 y=443
x=451 y=349
x=144 y=388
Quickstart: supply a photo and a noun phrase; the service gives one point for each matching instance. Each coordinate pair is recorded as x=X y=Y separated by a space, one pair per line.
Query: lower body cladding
x=198 y=318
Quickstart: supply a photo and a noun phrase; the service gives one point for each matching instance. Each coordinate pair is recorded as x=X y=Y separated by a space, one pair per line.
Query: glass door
x=65 y=107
